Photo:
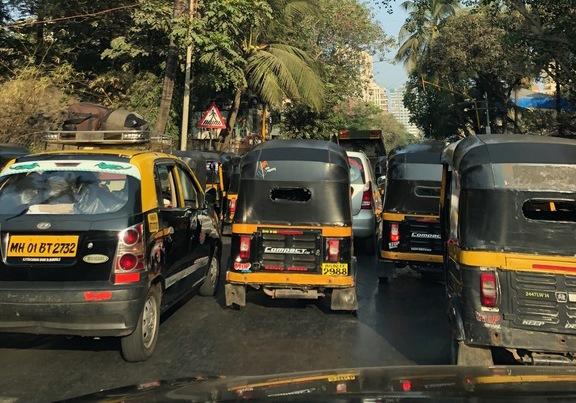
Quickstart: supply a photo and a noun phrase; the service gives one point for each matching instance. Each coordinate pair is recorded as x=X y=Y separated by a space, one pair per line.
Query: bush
x=30 y=103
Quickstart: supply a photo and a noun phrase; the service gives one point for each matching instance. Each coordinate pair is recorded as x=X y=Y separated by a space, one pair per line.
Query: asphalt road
x=402 y=323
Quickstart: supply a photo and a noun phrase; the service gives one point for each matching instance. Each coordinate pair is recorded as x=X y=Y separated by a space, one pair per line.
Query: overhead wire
x=19 y=24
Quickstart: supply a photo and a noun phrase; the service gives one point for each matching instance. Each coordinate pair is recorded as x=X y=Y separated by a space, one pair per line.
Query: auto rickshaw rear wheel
x=466 y=355
x=344 y=299
x=235 y=295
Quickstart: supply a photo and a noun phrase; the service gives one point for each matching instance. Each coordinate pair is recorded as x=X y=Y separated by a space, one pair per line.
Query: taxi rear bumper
x=77 y=310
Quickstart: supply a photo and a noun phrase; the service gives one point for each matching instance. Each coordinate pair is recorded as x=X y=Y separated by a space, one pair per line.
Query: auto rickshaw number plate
x=335 y=269
x=42 y=246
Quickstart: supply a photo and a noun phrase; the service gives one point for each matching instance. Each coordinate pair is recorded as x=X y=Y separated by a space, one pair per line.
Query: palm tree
x=421 y=28
x=276 y=72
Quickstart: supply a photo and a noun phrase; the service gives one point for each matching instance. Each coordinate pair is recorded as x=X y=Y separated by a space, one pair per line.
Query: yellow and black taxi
x=411 y=218
x=509 y=220
x=101 y=242
x=292 y=230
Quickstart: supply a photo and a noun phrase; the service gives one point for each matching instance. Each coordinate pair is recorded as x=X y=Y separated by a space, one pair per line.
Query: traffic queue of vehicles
x=496 y=216
x=100 y=242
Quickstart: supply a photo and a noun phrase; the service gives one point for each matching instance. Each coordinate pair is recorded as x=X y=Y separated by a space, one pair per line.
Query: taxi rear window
x=33 y=190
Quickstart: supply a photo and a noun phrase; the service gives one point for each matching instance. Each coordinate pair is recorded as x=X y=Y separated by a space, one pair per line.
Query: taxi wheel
x=210 y=284
x=140 y=345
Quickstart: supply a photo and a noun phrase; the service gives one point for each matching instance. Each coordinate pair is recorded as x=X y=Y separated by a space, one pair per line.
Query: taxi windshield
x=65 y=192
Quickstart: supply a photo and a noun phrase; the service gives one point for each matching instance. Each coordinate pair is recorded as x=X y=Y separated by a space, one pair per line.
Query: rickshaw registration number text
x=335 y=269
x=42 y=246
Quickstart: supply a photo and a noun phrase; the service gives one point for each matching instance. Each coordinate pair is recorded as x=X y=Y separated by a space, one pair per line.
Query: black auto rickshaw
x=411 y=218
x=212 y=175
x=509 y=220
x=196 y=161
x=292 y=231
x=231 y=175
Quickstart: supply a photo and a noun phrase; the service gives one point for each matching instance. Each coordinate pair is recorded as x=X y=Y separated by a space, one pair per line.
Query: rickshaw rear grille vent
x=297 y=250
x=543 y=300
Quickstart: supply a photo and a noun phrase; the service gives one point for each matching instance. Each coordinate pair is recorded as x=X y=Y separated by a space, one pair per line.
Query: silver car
x=366 y=201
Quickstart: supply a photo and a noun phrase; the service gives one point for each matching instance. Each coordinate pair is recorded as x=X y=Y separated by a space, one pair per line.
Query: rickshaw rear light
x=367 y=198
x=333 y=246
x=488 y=289
x=394 y=232
x=244 y=247
x=232 y=206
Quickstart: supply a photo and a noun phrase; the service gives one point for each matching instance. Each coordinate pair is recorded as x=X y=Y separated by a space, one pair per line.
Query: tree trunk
x=559 y=108
x=40 y=11
x=169 y=77
x=234 y=112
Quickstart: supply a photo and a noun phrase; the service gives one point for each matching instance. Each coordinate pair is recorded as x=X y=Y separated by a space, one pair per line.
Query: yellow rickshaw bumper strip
x=403 y=217
x=412 y=257
x=515 y=261
x=326 y=231
x=290 y=279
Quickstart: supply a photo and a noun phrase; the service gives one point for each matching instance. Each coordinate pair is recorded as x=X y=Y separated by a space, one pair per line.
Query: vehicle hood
x=433 y=382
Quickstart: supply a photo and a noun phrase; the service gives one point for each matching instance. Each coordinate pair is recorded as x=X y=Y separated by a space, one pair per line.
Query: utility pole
x=488 y=129
x=187 y=89
x=264 y=123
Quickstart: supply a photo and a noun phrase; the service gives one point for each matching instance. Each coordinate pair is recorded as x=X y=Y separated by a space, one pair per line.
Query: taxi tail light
x=244 y=247
x=394 y=232
x=488 y=289
x=129 y=260
x=367 y=200
x=333 y=249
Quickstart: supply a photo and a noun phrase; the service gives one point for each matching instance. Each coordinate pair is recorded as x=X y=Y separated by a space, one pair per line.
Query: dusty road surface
x=401 y=323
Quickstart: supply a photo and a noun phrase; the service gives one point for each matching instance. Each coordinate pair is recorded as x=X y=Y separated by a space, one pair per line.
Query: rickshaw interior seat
x=292 y=194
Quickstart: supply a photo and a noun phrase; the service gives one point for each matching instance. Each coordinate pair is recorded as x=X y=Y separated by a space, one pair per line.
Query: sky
x=387 y=74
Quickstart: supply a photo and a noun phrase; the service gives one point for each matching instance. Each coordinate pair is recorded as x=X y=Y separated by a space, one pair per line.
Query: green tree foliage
x=360 y=115
x=366 y=115
x=493 y=47
x=470 y=57
x=307 y=52
x=337 y=35
x=421 y=28
x=30 y=103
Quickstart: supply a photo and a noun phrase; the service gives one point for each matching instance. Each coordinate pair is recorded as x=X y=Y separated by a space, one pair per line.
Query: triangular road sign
x=211 y=119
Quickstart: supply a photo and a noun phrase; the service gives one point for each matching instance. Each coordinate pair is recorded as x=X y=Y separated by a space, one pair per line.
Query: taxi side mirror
x=381 y=182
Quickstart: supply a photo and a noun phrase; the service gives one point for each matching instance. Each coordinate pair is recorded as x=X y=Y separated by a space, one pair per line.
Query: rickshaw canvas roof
x=512 y=149
x=428 y=152
x=324 y=151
